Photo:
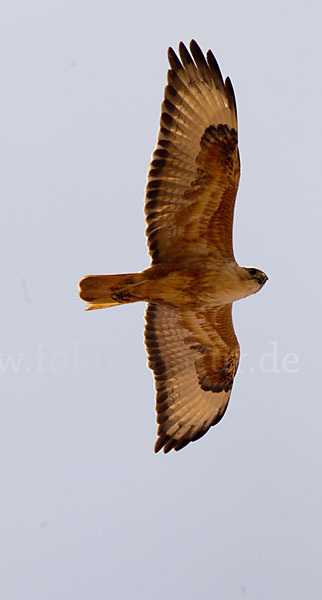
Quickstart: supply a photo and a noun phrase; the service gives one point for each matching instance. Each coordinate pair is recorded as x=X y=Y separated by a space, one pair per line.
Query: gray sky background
x=87 y=509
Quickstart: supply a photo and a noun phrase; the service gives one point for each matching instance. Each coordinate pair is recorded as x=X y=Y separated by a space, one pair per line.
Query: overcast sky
x=86 y=509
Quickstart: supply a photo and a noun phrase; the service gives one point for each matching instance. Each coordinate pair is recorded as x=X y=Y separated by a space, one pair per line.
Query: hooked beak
x=262 y=279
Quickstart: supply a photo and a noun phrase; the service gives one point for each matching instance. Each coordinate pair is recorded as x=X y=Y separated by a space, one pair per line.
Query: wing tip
x=196 y=64
x=167 y=443
x=231 y=95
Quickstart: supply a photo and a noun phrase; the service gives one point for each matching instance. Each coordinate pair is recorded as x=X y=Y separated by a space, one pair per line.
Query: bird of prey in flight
x=193 y=278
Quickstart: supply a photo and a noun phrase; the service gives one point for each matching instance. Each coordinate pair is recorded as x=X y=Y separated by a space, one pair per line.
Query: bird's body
x=188 y=284
x=193 y=278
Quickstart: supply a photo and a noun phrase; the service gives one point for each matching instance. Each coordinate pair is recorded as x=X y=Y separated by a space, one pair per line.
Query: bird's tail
x=103 y=291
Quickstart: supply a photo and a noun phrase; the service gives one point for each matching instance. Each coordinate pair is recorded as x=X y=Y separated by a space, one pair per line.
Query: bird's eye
x=252 y=272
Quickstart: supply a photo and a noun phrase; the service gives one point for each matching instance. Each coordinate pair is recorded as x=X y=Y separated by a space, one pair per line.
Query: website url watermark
x=46 y=359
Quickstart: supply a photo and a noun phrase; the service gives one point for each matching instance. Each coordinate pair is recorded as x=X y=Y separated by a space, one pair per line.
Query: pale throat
x=231 y=286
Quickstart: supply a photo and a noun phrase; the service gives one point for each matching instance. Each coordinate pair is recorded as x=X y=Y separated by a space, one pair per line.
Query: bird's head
x=254 y=279
x=235 y=282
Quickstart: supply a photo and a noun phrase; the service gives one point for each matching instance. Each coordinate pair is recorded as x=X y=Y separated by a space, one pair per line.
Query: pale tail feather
x=104 y=291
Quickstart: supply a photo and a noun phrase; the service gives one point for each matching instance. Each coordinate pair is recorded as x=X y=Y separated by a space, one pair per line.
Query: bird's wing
x=194 y=357
x=194 y=173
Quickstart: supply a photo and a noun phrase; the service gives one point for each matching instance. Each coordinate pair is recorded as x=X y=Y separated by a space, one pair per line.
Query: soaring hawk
x=193 y=278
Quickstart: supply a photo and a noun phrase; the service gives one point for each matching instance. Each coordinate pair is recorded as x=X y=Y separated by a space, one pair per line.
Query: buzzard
x=193 y=278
